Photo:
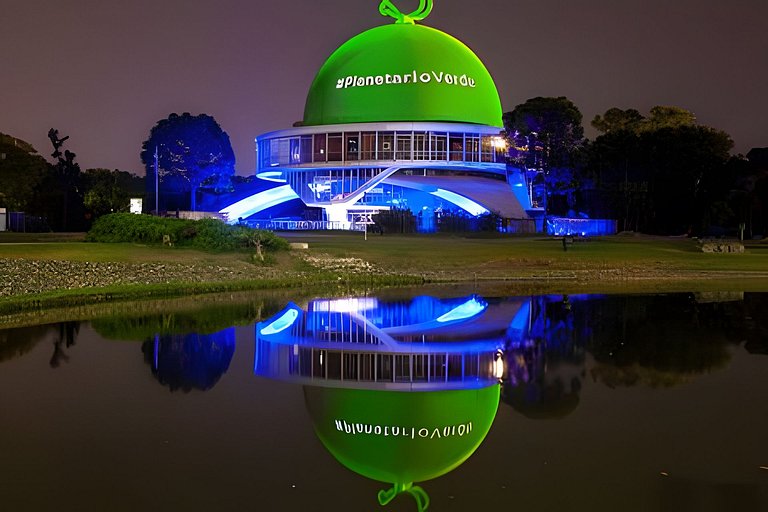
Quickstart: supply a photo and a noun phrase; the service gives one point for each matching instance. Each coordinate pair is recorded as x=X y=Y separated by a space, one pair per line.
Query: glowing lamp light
x=351 y=305
x=285 y=321
x=498 y=365
x=499 y=143
x=467 y=310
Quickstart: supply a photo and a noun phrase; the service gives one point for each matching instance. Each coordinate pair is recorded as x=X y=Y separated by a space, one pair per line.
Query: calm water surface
x=455 y=403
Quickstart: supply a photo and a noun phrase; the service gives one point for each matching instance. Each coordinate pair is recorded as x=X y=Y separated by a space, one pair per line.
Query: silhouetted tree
x=22 y=171
x=192 y=151
x=663 y=174
x=545 y=136
x=106 y=191
x=616 y=119
x=67 y=179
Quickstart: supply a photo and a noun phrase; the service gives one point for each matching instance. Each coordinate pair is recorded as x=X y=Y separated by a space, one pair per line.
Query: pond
x=401 y=401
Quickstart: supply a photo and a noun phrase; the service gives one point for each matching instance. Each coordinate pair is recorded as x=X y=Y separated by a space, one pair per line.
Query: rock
x=729 y=246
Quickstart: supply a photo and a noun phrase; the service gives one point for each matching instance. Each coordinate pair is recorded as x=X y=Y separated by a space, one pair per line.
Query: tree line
x=60 y=195
x=660 y=172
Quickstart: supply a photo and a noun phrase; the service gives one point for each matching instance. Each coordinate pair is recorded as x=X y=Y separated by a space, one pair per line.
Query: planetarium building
x=400 y=117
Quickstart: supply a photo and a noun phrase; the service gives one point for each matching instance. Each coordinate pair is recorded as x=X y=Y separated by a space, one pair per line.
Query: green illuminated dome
x=401 y=437
x=370 y=78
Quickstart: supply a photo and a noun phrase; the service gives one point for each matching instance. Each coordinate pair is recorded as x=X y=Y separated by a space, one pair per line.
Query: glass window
x=306 y=149
x=455 y=369
x=404 y=146
x=420 y=367
x=386 y=146
x=320 y=148
x=351 y=146
x=368 y=146
x=420 y=146
x=318 y=363
x=295 y=151
x=471 y=148
x=334 y=147
x=350 y=366
x=367 y=366
x=402 y=368
x=264 y=154
x=283 y=151
x=438 y=144
x=437 y=363
x=486 y=149
x=384 y=367
x=333 y=365
x=456 y=142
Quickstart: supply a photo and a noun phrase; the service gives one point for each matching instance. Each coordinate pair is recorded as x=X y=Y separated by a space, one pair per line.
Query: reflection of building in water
x=401 y=437
x=545 y=363
x=190 y=361
x=424 y=343
x=399 y=392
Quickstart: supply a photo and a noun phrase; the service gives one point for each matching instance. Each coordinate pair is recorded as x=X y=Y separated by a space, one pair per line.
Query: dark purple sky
x=104 y=72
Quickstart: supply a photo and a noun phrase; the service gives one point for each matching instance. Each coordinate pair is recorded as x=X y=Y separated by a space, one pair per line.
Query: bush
x=206 y=234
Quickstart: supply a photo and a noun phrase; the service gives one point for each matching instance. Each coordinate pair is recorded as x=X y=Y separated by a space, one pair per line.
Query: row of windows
x=378 y=367
x=325 y=185
x=380 y=146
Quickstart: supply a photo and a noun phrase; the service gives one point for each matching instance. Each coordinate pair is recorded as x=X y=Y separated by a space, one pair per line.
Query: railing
x=298 y=225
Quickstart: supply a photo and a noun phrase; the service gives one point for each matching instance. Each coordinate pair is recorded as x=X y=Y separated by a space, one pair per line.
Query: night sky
x=104 y=72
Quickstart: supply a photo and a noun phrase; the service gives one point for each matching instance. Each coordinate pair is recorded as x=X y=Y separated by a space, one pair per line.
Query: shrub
x=206 y=234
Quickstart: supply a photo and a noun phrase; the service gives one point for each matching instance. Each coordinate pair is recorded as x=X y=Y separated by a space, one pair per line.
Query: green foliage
x=660 y=116
x=107 y=191
x=553 y=124
x=22 y=172
x=616 y=119
x=546 y=139
x=205 y=320
x=457 y=222
x=192 y=151
x=205 y=234
x=663 y=174
x=394 y=221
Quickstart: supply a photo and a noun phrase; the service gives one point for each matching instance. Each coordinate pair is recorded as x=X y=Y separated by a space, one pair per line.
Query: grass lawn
x=508 y=265
x=101 y=252
x=510 y=255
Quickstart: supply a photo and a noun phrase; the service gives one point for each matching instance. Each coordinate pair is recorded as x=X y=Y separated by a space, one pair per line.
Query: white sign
x=136 y=205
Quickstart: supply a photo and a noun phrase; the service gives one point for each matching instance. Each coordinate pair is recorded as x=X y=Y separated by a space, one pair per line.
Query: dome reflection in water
x=399 y=392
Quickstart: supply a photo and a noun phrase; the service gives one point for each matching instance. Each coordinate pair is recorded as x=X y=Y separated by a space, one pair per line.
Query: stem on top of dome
x=387 y=8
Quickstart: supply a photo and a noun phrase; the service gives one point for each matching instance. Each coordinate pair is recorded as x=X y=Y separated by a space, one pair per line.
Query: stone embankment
x=21 y=276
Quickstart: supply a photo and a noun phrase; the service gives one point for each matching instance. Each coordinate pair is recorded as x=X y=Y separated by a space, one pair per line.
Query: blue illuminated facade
x=422 y=344
x=353 y=171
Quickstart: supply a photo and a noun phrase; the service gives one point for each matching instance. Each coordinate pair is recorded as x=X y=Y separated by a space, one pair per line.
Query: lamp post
x=157 y=186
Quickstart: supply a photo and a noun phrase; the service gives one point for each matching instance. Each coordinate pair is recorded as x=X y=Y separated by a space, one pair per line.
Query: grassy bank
x=509 y=257
x=337 y=262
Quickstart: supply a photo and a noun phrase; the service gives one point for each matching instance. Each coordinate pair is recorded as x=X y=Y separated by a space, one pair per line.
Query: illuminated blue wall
x=560 y=226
